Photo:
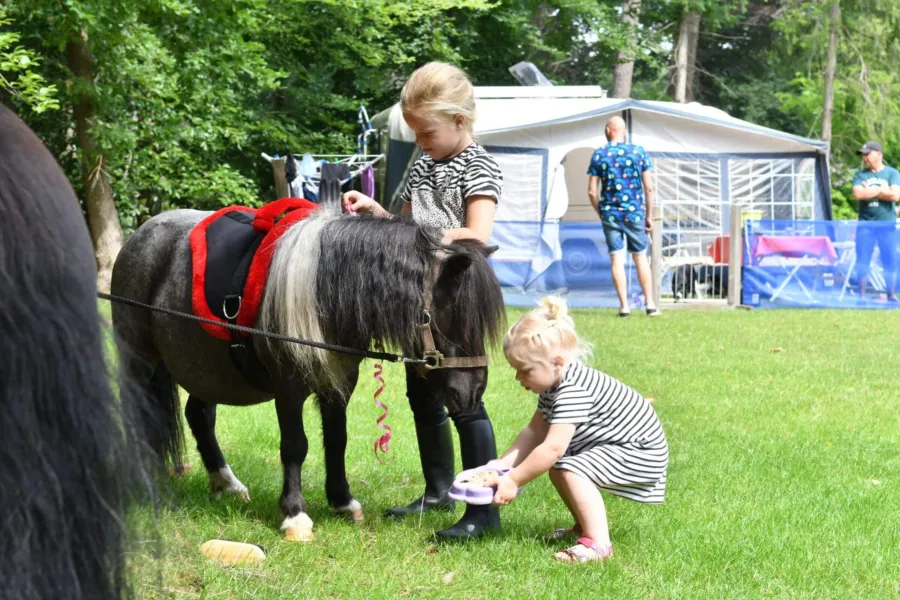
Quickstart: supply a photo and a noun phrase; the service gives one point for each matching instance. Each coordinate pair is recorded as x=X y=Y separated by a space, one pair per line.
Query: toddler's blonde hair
x=543 y=332
x=441 y=91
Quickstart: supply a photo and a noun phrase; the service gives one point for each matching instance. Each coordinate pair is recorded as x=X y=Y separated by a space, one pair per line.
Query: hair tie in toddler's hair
x=555 y=306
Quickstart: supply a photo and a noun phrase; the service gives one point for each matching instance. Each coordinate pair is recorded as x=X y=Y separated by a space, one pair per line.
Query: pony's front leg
x=297 y=525
x=333 y=407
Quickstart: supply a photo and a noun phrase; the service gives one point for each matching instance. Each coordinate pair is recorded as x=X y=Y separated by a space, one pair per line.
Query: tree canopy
x=185 y=94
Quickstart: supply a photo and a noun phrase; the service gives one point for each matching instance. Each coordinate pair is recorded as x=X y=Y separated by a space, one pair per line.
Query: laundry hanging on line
x=306 y=177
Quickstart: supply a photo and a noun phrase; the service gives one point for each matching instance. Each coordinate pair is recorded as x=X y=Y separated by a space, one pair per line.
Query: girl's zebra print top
x=439 y=189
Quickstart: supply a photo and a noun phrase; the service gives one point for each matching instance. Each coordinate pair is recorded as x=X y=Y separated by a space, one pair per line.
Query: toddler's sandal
x=586 y=550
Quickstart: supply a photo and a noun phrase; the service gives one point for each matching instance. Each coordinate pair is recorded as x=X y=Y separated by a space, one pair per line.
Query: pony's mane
x=370 y=280
x=356 y=280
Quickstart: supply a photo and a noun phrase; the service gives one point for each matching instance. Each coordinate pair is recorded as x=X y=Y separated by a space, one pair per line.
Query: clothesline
x=321 y=177
x=370 y=158
x=360 y=161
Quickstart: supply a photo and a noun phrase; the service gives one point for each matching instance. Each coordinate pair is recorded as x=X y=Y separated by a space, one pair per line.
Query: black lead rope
x=275 y=336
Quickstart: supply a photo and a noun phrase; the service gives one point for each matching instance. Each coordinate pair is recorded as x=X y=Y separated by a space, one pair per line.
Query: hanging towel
x=293 y=177
x=308 y=166
x=311 y=191
x=330 y=185
x=367 y=180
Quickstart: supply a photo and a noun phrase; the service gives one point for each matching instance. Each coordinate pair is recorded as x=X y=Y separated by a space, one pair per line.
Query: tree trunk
x=103 y=220
x=693 y=38
x=830 y=68
x=686 y=56
x=624 y=69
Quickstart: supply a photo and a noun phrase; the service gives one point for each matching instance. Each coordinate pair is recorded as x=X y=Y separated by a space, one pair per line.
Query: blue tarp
x=813 y=264
x=537 y=258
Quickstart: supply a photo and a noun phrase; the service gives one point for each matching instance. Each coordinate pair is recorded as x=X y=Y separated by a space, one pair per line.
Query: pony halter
x=432 y=358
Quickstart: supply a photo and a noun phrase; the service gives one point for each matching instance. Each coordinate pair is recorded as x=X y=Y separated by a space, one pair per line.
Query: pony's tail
x=161 y=421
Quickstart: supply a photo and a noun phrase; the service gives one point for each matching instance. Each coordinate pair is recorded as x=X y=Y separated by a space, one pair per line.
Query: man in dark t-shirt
x=877 y=189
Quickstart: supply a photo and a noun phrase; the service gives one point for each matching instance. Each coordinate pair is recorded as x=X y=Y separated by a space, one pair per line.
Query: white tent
x=704 y=160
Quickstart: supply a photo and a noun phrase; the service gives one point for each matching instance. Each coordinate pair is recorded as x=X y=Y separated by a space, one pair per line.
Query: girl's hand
x=506 y=491
x=359 y=202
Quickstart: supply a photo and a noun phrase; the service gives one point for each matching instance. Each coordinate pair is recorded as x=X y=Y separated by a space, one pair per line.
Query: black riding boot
x=477 y=446
x=436 y=454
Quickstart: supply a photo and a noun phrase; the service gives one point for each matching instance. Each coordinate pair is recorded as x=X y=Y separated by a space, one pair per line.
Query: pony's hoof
x=352 y=511
x=181 y=469
x=242 y=494
x=298 y=528
x=224 y=481
x=299 y=534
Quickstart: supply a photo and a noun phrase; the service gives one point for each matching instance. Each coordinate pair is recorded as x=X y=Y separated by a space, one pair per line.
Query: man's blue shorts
x=620 y=235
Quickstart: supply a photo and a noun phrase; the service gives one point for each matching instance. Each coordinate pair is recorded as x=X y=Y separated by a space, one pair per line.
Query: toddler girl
x=590 y=431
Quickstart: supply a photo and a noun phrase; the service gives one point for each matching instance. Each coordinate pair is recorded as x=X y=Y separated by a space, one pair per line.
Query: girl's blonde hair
x=543 y=331
x=442 y=91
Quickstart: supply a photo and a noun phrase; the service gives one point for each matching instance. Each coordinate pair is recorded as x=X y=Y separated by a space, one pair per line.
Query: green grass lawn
x=784 y=480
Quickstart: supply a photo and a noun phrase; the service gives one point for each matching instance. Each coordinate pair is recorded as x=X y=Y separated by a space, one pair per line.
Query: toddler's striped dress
x=619 y=443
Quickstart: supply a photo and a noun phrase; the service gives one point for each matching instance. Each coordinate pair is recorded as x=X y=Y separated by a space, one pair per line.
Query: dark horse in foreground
x=354 y=281
x=64 y=455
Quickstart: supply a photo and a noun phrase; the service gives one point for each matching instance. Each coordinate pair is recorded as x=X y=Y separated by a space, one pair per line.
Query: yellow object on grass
x=232 y=553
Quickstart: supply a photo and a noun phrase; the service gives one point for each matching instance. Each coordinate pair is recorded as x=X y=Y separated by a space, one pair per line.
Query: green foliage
x=866 y=86
x=18 y=75
x=844 y=206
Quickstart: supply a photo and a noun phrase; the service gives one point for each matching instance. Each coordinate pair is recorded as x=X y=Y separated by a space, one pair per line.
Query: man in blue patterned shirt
x=624 y=202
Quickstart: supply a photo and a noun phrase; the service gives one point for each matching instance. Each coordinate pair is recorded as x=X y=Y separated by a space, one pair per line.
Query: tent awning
x=512 y=108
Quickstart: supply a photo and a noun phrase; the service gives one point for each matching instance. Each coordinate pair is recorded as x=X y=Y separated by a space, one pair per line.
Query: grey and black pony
x=65 y=460
x=354 y=281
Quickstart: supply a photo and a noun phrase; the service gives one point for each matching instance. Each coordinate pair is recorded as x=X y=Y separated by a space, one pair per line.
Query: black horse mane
x=371 y=278
x=63 y=464
x=477 y=300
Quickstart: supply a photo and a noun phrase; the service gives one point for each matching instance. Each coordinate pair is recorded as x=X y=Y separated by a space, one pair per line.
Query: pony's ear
x=465 y=252
x=456 y=263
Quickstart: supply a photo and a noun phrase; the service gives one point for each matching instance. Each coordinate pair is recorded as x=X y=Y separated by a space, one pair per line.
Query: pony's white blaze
x=298 y=528
x=290 y=306
x=224 y=480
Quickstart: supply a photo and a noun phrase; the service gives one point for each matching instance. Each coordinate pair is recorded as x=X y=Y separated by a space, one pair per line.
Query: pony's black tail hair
x=66 y=469
x=160 y=407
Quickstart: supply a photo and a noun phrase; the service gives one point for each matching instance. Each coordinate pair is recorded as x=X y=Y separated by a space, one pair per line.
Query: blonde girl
x=590 y=431
x=454 y=186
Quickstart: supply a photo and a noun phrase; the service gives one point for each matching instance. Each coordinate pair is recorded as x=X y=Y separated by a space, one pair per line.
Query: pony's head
x=361 y=280
x=467 y=305
x=468 y=317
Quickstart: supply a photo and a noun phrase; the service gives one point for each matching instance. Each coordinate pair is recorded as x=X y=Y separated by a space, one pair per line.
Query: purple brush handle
x=475 y=493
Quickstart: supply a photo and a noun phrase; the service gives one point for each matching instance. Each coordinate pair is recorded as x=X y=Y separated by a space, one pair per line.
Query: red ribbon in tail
x=384 y=442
